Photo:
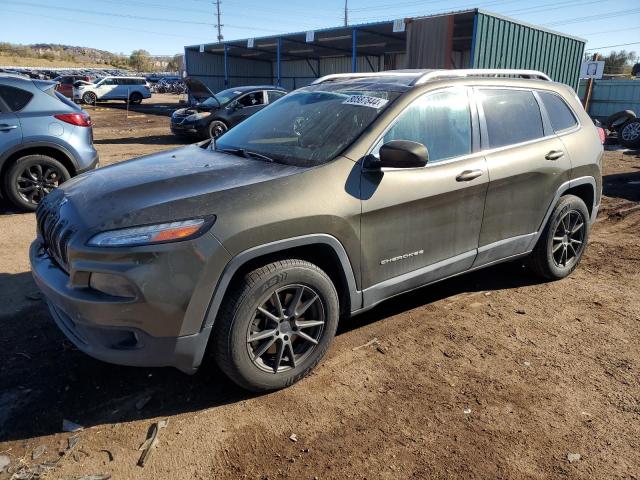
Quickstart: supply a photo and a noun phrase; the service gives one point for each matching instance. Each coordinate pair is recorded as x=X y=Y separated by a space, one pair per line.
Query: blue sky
x=165 y=26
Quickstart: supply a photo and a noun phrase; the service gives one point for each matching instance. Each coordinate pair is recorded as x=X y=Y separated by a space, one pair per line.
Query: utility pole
x=218 y=25
x=346 y=13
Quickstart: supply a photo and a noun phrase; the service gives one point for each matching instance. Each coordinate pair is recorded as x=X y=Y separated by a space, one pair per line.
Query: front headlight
x=197 y=116
x=149 y=234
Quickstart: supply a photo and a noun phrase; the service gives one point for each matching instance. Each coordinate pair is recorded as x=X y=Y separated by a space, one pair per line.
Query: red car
x=65 y=83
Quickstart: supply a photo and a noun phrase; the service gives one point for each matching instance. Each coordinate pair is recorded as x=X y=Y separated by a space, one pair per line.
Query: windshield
x=224 y=96
x=310 y=126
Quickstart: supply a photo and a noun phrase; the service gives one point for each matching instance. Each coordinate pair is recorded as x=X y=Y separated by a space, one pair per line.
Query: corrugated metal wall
x=500 y=43
x=209 y=68
x=611 y=96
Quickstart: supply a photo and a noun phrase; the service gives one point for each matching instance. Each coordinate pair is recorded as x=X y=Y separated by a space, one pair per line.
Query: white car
x=131 y=89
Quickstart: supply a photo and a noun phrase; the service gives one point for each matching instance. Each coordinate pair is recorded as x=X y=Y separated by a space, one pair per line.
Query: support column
x=226 y=66
x=354 y=51
x=278 y=47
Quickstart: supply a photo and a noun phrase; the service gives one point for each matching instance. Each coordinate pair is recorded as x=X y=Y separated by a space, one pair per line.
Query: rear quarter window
x=559 y=113
x=512 y=116
x=15 y=98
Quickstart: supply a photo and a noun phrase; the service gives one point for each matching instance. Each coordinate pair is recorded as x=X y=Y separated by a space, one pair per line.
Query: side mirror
x=400 y=154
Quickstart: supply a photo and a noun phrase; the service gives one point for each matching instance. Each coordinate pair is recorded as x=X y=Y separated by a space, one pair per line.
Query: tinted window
x=559 y=113
x=513 y=116
x=15 y=98
x=252 y=99
x=274 y=95
x=440 y=121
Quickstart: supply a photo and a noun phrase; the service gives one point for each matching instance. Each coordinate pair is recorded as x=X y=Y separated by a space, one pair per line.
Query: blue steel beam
x=354 y=51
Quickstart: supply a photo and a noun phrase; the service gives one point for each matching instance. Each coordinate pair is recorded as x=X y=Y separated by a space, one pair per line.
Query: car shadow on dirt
x=168 y=139
x=622 y=185
x=45 y=379
x=160 y=109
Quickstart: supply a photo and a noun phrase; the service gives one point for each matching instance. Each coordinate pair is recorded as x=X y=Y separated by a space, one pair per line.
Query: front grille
x=55 y=232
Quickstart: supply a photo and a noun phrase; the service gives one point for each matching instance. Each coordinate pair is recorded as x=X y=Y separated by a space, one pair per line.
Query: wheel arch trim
x=242 y=258
x=587 y=180
x=39 y=144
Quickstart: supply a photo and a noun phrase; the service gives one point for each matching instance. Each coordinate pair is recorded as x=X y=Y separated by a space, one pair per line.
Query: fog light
x=113 y=285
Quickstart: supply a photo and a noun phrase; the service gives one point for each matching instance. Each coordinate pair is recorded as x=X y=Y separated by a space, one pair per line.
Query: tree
x=175 y=64
x=140 y=60
x=619 y=62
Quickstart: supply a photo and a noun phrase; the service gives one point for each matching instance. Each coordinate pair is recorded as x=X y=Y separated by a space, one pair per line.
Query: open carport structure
x=465 y=39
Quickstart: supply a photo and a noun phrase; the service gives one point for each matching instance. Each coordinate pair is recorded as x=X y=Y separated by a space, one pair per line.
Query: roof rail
x=346 y=76
x=480 y=72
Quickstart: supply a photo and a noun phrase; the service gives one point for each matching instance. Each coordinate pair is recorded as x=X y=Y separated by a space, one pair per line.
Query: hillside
x=54 y=55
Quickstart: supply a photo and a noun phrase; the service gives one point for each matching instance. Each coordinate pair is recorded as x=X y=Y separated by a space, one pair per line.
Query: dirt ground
x=492 y=375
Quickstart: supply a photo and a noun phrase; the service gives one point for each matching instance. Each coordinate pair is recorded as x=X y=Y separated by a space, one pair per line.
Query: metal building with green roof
x=464 y=39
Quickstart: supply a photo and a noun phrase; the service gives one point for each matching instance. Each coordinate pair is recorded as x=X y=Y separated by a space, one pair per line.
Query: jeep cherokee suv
x=342 y=194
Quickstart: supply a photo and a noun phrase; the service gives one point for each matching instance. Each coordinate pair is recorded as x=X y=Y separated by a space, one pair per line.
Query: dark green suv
x=342 y=194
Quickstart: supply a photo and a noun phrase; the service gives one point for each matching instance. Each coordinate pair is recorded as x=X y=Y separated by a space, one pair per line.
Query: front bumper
x=188 y=128
x=84 y=314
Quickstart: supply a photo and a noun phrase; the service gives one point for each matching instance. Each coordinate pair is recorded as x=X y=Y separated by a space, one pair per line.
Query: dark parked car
x=45 y=139
x=335 y=198
x=213 y=114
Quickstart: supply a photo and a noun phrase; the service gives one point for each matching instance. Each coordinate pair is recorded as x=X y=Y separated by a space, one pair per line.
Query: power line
x=600 y=16
x=611 y=46
x=119 y=15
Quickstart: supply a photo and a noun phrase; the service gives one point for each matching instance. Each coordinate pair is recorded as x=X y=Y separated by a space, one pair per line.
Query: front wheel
x=217 y=128
x=563 y=240
x=277 y=325
x=89 y=98
x=629 y=134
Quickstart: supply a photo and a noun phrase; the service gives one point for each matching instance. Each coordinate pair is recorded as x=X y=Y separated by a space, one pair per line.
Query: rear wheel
x=277 y=325
x=217 y=128
x=89 y=98
x=31 y=177
x=563 y=240
x=135 y=98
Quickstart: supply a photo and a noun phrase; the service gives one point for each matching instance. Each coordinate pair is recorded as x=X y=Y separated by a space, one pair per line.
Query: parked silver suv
x=45 y=139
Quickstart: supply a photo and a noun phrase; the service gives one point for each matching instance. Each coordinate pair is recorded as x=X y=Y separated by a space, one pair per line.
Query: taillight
x=602 y=134
x=77 y=119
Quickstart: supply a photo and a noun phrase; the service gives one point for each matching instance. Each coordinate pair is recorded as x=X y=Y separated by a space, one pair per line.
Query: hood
x=198 y=90
x=167 y=186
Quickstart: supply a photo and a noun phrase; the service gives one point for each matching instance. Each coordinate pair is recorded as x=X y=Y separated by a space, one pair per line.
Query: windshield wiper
x=241 y=152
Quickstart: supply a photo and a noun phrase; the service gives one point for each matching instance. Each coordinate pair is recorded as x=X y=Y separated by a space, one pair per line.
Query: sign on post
x=202 y=48
x=592 y=69
x=311 y=36
x=250 y=43
x=398 y=25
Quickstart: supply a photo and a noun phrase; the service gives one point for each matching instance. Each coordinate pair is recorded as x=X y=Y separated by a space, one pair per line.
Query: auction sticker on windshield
x=365 y=101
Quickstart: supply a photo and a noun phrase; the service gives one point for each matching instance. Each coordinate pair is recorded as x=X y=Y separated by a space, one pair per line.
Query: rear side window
x=140 y=81
x=15 y=98
x=559 y=113
x=440 y=121
x=512 y=116
x=274 y=95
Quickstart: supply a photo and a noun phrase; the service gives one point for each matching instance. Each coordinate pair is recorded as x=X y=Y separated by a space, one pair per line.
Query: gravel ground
x=489 y=375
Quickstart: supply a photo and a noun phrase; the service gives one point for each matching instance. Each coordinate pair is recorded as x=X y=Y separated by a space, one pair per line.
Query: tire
x=30 y=178
x=89 y=98
x=618 y=119
x=217 y=128
x=135 y=98
x=629 y=134
x=557 y=253
x=240 y=359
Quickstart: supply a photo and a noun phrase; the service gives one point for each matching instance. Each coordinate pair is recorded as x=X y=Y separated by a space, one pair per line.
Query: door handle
x=469 y=175
x=554 y=155
x=4 y=127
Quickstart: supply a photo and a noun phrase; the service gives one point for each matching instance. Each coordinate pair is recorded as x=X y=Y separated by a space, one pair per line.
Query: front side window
x=559 y=113
x=512 y=116
x=311 y=125
x=252 y=99
x=15 y=98
x=441 y=121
